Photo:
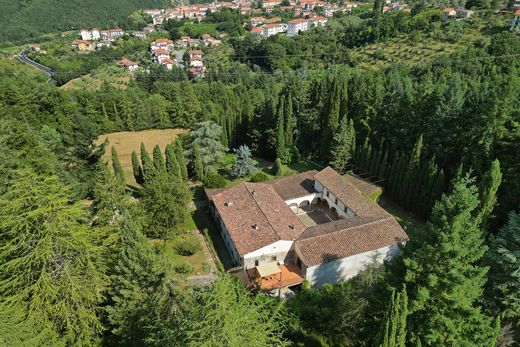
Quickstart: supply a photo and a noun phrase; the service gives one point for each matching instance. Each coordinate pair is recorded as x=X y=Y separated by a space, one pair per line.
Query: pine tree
x=207 y=137
x=504 y=275
x=341 y=151
x=244 y=163
x=198 y=167
x=488 y=190
x=134 y=282
x=172 y=166
x=48 y=266
x=392 y=332
x=179 y=154
x=226 y=312
x=158 y=160
x=281 y=150
x=137 y=169
x=118 y=169
x=148 y=165
x=443 y=277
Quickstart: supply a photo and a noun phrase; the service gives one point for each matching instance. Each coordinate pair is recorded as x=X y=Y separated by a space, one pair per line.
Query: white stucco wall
x=331 y=199
x=278 y=249
x=345 y=268
x=227 y=238
x=298 y=201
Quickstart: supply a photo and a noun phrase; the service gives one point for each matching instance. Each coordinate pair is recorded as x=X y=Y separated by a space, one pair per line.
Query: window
x=273 y=258
x=327 y=193
x=299 y=263
x=336 y=201
x=256 y=262
x=345 y=209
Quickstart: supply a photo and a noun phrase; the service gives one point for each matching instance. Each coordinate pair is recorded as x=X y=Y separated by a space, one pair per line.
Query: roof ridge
x=379 y=219
x=260 y=208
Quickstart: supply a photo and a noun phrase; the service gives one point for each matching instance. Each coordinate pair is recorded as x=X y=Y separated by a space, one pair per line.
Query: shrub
x=183 y=269
x=214 y=180
x=259 y=176
x=187 y=246
x=277 y=167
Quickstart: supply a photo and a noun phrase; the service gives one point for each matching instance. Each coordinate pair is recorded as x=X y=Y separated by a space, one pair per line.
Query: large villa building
x=317 y=226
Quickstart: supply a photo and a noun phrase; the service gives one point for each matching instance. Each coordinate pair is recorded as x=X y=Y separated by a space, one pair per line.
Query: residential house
x=128 y=65
x=515 y=23
x=296 y=25
x=82 y=45
x=160 y=54
x=196 y=72
x=449 y=12
x=273 y=29
x=196 y=53
x=256 y=21
x=317 y=21
x=196 y=62
x=105 y=43
x=90 y=35
x=258 y=30
x=111 y=34
x=165 y=44
x=139 y=34
x=168 y=63
x=314 y=226
x=270 y=3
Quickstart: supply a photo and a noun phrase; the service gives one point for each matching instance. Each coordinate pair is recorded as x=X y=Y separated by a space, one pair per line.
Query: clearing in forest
x=127 y=141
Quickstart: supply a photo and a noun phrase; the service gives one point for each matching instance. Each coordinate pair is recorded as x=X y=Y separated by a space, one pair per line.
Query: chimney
x=255 y=226
x=291 y=226
x=228 y=203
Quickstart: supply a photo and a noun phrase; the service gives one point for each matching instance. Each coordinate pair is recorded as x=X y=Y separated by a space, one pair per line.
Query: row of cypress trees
x=174 y=165
x=411 y=179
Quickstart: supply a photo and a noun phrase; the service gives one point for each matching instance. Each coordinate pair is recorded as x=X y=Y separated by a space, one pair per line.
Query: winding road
x=22 y=56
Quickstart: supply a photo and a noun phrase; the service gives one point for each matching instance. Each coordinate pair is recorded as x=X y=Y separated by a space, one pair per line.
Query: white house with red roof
x=128 y=65
x=160 y=54
x=168 y=63
x=273 y=29
x=165 y=44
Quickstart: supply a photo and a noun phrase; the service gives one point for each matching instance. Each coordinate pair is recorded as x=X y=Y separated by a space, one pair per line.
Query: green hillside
x=28 y=18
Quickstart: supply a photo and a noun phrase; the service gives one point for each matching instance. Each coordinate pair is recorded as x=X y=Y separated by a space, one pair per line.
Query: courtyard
x=316 y=214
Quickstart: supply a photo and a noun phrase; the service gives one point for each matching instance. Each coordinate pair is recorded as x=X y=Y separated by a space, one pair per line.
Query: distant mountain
x=28 y=18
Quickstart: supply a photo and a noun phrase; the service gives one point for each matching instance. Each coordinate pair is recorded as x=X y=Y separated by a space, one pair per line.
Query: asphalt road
x=22 y=56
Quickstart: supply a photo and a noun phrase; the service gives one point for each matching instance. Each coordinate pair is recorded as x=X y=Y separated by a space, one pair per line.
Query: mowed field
x=127 y=141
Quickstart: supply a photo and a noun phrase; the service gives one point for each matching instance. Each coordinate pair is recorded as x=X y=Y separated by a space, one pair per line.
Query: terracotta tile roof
x=126 y=63
x=163 y=41
x=345 y=238
x=161 y=51
x=345 y=191
x=257 y=30
x=255 y=216
x=294 y=186
x=196 y=51
x=167 y=61
x=272 y=26
x=296 y=21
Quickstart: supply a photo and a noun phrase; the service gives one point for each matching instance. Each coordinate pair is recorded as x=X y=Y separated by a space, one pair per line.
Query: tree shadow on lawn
x=203 y=220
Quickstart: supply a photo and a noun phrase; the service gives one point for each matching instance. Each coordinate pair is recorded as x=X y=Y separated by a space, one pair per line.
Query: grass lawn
x=199 y=28
x=127 y=141
x=113 y=75
x=197 y=261
x=406 y=219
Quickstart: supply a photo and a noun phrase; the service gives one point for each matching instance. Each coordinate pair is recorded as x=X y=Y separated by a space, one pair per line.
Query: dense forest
x=441 y=136
x=31 y=18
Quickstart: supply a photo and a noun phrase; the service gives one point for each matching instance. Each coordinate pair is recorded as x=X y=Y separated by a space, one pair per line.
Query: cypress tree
x=411 y=175
x=137 y=169
x=341 y=151
x=148 y=166
x=290 y=121
x=158 y=160
x=118 y=169
x=488 y=190
x=172 y=166
x=281 y=151
x=277 y=167
x=392 y=332
x=436 y=190
x=198 y=166
x=179 y=154
x=384 y=166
